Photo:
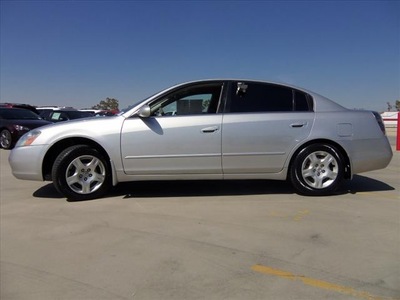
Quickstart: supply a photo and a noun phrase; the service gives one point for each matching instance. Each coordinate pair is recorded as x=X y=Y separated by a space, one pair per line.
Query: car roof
x=14 y=108
x=322 y=104
x=18 y=105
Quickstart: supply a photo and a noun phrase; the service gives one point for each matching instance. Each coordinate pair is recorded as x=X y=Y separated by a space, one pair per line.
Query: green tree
x=108 y=104
x=398 y=105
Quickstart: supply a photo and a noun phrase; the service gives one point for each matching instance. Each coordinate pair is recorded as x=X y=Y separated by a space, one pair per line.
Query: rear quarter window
x=302 y=101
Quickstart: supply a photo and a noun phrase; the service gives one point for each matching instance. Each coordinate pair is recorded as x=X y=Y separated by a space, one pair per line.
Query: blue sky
x=77 y=53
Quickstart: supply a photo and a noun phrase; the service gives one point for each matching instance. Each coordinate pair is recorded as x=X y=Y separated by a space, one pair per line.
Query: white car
x=211 y=129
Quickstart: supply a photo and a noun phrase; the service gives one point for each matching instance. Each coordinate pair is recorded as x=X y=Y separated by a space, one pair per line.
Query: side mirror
x=144 y=111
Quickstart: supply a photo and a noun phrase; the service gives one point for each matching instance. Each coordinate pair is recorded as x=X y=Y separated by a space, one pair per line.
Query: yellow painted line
x=301 y=214
x=317 y=283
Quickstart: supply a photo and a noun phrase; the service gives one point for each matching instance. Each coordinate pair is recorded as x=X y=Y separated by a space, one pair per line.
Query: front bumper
x=26 y=162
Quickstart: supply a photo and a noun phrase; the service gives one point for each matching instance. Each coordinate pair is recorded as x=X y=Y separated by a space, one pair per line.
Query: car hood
x=83 y=122
x=96 y=129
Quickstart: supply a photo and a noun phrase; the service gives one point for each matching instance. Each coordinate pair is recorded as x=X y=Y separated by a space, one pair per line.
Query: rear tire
x=5 y=139
x=81 y=173
x=317 y=170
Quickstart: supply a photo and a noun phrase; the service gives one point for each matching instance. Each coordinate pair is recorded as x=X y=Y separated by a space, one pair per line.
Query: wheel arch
x=347 y=168
x=58 y=147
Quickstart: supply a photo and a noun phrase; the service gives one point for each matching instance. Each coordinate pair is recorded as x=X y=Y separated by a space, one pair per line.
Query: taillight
x=379 y=119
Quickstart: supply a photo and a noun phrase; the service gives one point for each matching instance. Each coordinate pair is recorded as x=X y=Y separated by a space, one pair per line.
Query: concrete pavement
x=202 y=240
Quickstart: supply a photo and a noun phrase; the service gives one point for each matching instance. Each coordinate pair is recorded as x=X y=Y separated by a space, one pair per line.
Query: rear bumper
x=369 y=155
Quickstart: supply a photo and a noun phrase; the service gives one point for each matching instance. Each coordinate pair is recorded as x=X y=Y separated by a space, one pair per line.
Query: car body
x=209 y=129
x=101 y=112
x=60 y=115
x=44 y=111
x=15 y=122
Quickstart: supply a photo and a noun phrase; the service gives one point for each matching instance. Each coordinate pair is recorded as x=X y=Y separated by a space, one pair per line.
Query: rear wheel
x=5 y=139
x=317 y=170
x=81 y=173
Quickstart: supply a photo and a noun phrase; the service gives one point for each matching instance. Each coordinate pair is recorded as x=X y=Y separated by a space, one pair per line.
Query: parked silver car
x=213 y=129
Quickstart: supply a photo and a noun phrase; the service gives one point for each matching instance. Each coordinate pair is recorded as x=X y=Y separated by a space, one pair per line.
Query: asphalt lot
x=202 y=240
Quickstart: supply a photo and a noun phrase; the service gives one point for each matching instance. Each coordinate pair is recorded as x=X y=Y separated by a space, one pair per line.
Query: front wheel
x=81 y=173
x=317 y=170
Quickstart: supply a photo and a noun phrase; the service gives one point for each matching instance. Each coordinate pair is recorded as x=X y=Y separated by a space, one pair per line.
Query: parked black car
x=20 y=105
x=15 y=122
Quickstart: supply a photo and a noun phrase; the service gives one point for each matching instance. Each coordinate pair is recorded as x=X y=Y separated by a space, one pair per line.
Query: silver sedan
x=210 y=129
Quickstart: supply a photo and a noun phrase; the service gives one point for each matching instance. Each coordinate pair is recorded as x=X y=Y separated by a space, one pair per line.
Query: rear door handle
x=297 y=125
x=210 y=129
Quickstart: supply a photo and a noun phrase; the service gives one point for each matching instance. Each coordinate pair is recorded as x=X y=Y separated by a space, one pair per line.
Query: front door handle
x=210 y=129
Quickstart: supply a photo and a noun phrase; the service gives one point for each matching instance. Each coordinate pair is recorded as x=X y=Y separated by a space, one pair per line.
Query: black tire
x=81 y=173
x=6 y=139
x=317 y=170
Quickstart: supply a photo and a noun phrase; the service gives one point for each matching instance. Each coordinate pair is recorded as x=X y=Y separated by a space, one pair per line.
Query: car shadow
x=150 y=189
x=178 y=188
x=183 y=188
x=361 y=184
x=166 y=189
x=47 y=191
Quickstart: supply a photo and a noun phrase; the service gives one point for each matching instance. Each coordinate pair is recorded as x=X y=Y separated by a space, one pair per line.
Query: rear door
x=262 y=125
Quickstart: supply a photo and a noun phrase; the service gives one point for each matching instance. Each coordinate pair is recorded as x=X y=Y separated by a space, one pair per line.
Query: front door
x=182 y=136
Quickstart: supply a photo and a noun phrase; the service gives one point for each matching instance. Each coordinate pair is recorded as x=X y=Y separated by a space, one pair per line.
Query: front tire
x=81 y=173
x=5 y=139
x=317 y=170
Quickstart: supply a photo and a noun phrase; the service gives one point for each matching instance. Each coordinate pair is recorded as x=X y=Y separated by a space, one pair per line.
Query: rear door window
x=264 y=97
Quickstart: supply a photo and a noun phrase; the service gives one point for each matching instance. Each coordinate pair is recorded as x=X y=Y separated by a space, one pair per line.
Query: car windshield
x=18 y=114
x=124 y=110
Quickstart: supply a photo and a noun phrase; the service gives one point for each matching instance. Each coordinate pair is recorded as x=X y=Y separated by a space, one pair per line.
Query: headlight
x=21 y=128
x=28 y=138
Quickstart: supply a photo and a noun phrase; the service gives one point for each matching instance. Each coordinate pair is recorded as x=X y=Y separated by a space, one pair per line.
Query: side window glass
x=260 y=97
x=55 y=116
x=64 y=117
x=301 y=103
x=189 y=101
